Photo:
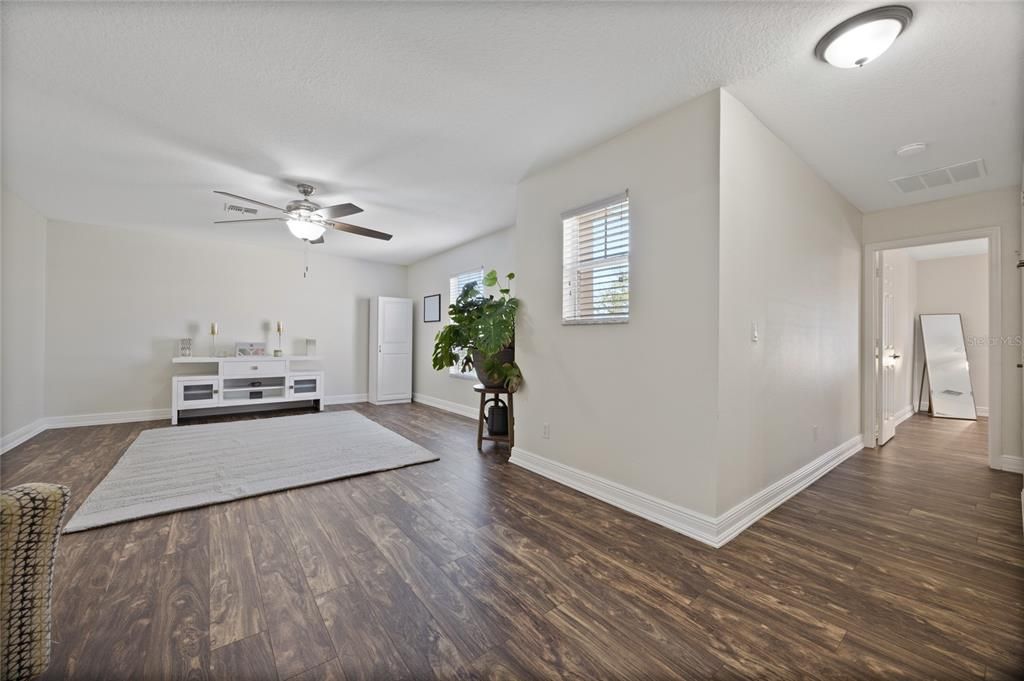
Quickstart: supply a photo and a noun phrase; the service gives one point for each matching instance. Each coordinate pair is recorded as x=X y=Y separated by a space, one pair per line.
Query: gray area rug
x=170 y=469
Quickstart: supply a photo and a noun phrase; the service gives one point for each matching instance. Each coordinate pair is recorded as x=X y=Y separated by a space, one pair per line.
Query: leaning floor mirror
x=950 y=393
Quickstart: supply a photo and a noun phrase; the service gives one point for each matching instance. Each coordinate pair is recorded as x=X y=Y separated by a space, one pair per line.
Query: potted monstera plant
x=481 y=335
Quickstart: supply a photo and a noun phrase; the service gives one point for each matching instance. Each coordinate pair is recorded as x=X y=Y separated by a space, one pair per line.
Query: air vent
x=961 y=172
x=245 y=210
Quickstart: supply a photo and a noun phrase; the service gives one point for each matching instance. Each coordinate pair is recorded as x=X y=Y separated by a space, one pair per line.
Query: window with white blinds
x=456 y=283
x=455 y=286
x=595 y=262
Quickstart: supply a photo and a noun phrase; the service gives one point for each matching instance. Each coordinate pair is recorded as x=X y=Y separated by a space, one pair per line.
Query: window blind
x=457 y=282
x=455 y=285
x=595 y=262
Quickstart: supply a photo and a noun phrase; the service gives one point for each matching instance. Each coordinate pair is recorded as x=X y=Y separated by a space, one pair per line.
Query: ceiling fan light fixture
x=863 y=38
x=304 y=229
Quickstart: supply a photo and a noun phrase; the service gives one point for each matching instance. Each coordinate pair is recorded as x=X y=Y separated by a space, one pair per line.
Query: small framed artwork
x=432 y=308
x=250 y=349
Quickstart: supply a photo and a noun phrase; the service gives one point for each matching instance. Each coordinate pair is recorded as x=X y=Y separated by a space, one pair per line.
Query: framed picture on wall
x=432 y=308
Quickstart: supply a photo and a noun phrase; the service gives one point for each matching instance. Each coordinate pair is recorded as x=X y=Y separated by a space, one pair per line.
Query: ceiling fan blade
x=339 y=211
x=318 y=240
x=361 y=231
x=258 y=203
x=225 y=222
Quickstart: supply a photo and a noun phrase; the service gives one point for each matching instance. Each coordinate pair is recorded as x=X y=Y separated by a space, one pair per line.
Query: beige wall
x=960 y=285
x=118 y=300
x=633 y=403
x=985 y=209
x=430 y=276
x=789 y=261
x=24 y=318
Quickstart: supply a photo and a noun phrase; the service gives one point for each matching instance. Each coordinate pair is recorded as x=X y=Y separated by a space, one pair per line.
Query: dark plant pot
x=506 y=355
x=497 y=419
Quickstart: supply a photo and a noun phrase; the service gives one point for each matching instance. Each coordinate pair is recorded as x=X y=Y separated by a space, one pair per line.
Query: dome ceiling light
x=862 y=38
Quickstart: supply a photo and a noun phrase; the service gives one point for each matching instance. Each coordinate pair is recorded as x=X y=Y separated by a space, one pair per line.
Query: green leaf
x=510 y=275
x=491 y=278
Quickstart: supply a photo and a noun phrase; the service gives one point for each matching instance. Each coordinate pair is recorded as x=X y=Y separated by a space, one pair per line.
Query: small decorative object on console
x=185 y=347
x=257 y=349
x=310 y=347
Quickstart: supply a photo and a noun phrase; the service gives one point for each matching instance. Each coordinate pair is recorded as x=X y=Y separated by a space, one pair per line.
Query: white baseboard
x=1014 y=464
x=453 y=407
x=104 y=418
x=50 y=422
x=904 y=414
x=345 y=399
x=12 y=440
x=746 y=513
x=715 y=532
x=26 y=432
x=683 y=520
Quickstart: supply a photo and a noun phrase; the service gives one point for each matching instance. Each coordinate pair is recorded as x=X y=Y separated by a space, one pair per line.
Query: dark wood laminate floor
x=906 y=562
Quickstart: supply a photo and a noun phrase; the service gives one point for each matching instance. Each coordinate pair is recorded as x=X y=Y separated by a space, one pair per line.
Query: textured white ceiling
x=427 y=115
x=954 y=79
x=950 y=249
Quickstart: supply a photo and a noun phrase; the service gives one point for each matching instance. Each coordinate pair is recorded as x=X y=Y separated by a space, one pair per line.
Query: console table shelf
x=246 y=381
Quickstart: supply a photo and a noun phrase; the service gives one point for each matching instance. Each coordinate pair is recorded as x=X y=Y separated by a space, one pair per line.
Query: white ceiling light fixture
x=862 y=38
x=305 y=229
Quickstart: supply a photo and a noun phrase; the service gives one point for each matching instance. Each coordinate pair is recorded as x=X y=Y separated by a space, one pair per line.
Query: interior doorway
x=932 y=315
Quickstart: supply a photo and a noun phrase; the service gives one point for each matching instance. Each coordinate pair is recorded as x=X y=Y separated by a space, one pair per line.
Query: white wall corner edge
x=446 y=405
x=715 y=532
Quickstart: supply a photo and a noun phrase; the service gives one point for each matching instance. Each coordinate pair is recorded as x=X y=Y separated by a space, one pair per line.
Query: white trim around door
x=870 y=322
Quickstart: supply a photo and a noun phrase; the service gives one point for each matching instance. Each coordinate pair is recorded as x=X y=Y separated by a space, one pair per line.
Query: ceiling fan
x=307 y=220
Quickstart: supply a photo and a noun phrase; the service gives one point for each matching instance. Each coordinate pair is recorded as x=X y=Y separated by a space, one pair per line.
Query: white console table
x=243 y=381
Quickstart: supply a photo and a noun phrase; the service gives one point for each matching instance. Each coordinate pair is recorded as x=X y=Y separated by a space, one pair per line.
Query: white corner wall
x=118 y=300
x=429 y=276
x=947 y=285
x=24 y=319
x=1000 y=209
x=632 y=405
x=789 y=262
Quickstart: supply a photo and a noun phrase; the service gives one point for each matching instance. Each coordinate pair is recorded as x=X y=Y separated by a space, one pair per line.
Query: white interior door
x=887 y=354
x=394 y=339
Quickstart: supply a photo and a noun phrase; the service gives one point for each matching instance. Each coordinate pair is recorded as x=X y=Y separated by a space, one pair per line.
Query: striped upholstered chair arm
x=30 y=520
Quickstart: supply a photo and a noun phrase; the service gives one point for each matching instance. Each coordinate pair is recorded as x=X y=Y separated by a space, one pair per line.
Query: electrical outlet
x=546 y=434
